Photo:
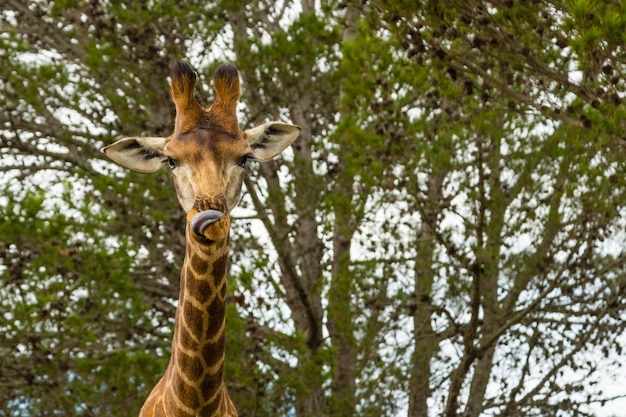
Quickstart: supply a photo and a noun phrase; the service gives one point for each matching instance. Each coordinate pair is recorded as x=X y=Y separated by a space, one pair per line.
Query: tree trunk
x=425 y=342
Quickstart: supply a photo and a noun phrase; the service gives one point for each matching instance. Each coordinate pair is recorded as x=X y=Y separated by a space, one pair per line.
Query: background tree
x=445 y=239
x=526 y=105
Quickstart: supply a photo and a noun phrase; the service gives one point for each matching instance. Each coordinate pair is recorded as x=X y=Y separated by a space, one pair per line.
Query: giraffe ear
x=270 y=139
x=143 y=154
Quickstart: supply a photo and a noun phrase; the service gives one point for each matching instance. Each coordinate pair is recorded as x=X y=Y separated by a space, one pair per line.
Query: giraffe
x=206 y=154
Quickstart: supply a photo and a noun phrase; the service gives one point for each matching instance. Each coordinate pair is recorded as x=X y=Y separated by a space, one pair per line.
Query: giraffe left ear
x=143 y=154
x=270 y=139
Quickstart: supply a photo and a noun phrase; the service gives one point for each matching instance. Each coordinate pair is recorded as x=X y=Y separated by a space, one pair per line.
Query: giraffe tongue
x=203 y=219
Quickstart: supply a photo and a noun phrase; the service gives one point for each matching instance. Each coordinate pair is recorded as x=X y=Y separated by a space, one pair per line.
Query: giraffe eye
x=244 y=159
x=170 y=163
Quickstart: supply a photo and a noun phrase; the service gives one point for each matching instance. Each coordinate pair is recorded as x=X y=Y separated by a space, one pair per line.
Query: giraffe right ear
x=143 y=154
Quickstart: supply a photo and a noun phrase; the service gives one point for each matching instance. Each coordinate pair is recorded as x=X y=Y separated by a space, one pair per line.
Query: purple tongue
x=203 y=219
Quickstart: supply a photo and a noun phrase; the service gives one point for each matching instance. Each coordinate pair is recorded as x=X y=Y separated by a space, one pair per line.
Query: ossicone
x=182 y=86
x=182 y=70
x=226 y=84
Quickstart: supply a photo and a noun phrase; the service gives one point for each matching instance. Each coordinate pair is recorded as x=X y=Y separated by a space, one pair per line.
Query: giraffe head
x=207 y=152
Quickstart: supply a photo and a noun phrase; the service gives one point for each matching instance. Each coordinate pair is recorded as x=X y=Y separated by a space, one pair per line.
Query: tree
x=67 y=84
x=516 y=185
x=73 y=323
x=445 y=238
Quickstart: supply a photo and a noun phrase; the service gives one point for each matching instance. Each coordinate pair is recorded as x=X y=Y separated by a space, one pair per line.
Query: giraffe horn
x=182 y=87
x=227 y=91
x=226 y=84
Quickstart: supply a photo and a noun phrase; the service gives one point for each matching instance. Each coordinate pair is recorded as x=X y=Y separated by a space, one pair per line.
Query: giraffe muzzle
x=204 y=219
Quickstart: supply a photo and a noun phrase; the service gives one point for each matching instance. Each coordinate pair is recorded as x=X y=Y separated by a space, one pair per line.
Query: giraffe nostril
x=211 y=203
x=203 y=219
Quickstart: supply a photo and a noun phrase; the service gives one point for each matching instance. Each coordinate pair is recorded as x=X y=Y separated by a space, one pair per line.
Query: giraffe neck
x=196 y=370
